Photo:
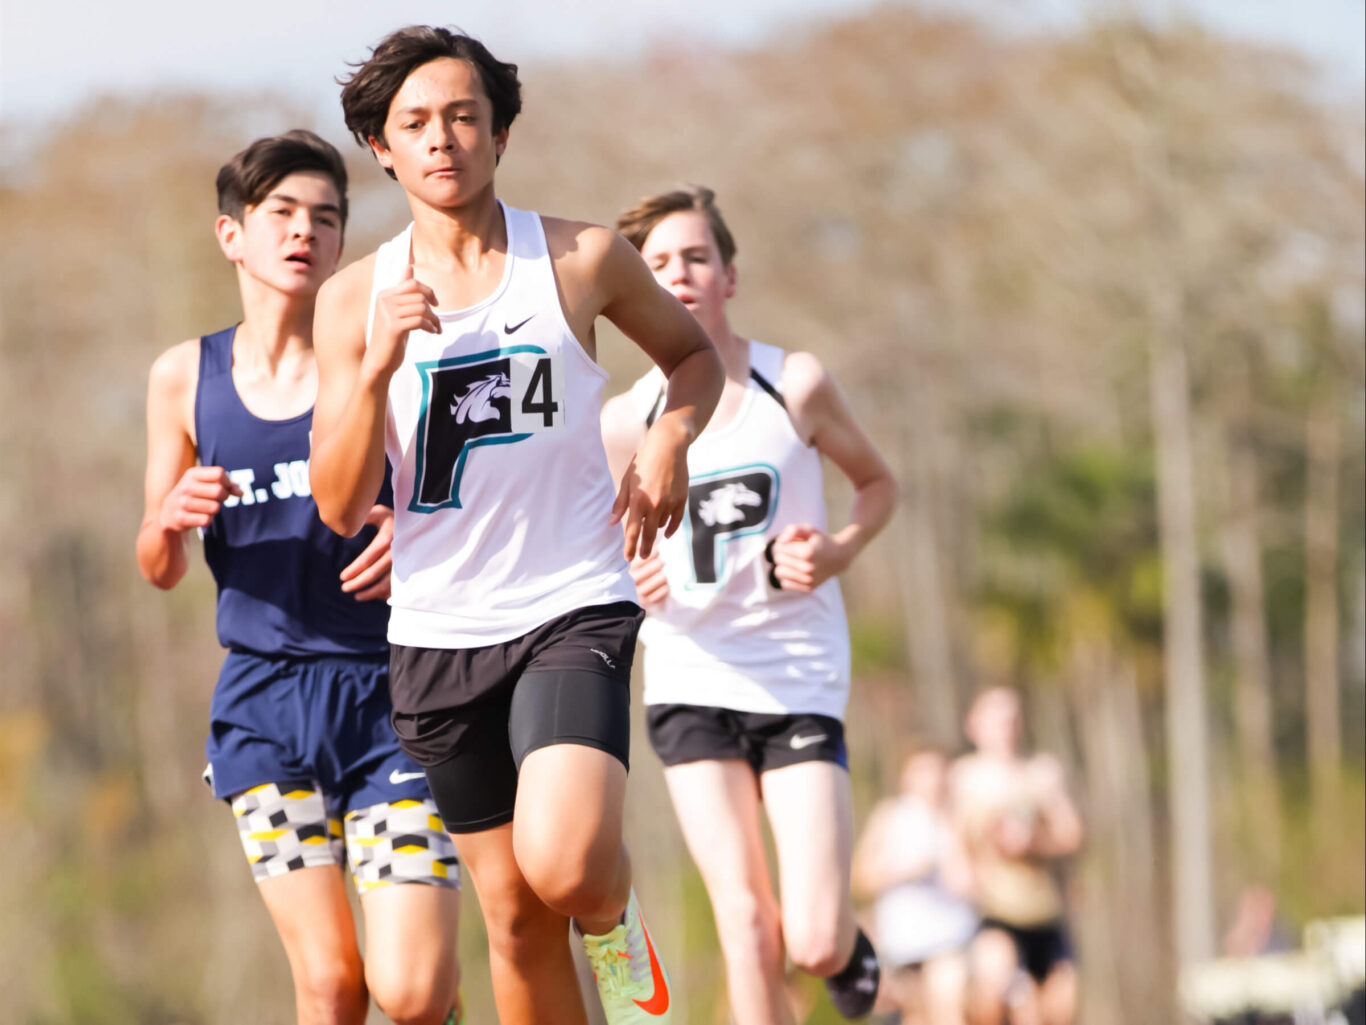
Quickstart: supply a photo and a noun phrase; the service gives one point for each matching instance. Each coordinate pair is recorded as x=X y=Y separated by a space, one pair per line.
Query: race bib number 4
x=498 y=397
x=537 y=382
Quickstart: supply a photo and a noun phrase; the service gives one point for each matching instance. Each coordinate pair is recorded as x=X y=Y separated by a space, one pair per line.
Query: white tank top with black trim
x=502 y=492
x=726 y=636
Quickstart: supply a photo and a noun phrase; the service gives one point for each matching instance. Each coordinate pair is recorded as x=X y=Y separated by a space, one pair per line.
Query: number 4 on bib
x=537 y=392
x=499 y=397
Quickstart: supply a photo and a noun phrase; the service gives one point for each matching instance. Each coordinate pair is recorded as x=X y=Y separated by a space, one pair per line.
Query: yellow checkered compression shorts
x=284 y=827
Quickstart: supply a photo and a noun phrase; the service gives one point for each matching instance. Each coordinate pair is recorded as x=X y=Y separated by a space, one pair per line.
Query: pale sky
x=55 y=55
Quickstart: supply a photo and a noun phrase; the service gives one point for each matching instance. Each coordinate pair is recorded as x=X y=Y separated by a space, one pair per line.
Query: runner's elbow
x=160 y=564
x=337 y=509
x=161 y=575
x=338 y=518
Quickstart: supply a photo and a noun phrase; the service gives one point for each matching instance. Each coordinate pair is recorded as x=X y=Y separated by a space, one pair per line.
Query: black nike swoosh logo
x=509 y=328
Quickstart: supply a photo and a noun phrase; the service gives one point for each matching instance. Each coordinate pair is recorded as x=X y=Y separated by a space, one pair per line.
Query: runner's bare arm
x=823 y=418
x=653 y=487
x=178 y=496
x=622 y=432
x=1060 y=832
x=347 y=462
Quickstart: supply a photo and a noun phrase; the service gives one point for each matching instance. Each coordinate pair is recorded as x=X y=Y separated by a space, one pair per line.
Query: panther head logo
x=722 y=506
x=476 y=405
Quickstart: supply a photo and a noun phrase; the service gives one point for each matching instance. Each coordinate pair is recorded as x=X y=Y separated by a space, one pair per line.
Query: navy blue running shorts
x=321 y=721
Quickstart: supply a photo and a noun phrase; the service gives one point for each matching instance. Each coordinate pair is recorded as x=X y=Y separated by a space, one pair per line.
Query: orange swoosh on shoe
x=659 y=1001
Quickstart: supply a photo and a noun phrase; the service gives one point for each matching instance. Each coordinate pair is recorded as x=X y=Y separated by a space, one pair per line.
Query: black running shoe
x=854 y=990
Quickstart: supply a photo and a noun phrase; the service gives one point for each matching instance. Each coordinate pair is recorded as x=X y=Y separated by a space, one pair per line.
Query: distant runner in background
x=909 y=861
x=1017 y=823
x=299 y=735
x=746 y=643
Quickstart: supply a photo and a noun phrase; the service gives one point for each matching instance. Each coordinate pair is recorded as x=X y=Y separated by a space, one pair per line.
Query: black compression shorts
x=470 y=716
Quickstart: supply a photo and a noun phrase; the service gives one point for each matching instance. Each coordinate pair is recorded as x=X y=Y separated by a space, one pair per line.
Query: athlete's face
x=682 y=254
x=291 y=240
x=438 y=137
x=924 y=775
x=994 y=722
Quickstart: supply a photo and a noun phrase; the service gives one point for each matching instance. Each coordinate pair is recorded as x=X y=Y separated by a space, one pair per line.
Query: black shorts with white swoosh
x=695 y=733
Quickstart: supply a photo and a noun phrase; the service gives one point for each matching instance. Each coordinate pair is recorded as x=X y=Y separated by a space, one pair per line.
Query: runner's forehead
x=682 y=230
x=305 y=188
x=442 y=83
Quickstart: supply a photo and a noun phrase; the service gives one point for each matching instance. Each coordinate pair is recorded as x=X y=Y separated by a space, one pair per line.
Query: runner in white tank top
x=499 y=472
x=724 y=635
x=465 y=349
x=746 y=668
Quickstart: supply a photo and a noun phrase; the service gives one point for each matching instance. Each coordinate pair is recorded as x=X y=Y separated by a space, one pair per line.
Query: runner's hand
x=652 y=584
x=654 y=490
x=407 y=306
x=804 y=557
x=367 y=578
x=196 y=498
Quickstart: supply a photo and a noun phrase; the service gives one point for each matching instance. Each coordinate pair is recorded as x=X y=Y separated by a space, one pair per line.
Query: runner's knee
x=994 y=963
x=519 y=924
x=574 y=868
x=415 y=983
x=747 y=921
x=409 y=999
x=585 y=885
x=330 y=990
x=814 y=946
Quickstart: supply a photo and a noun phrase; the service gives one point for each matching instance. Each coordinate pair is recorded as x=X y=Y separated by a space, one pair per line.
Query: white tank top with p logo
x=727 y=637
x=501 y=488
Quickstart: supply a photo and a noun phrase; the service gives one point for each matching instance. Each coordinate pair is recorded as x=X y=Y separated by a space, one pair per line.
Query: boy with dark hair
x=300 y=741
x=366 y=95
x=746 y=643
x=464 y=349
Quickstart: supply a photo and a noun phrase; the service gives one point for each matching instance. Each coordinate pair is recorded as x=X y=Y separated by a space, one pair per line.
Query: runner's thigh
x=717 y=804
x=810 y=813
x=410 y=945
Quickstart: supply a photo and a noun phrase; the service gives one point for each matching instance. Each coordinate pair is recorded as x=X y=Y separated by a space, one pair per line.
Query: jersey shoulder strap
x=766 y=370
x=215 y=352
x=768 y=387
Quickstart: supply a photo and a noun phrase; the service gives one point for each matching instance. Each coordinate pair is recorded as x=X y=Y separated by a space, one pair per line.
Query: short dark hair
x=248 y=177
x=369 y=91
x=637 y=222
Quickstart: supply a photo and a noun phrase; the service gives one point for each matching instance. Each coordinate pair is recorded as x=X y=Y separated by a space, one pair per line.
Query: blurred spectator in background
x=910 y=863
x=1016 y=821
x=1255 y=929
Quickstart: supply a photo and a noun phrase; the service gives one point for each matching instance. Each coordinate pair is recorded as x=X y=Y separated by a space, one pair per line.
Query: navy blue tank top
x=276 y=563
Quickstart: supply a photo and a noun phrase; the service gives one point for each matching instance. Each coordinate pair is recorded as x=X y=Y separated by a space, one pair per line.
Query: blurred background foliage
x=1015 y=254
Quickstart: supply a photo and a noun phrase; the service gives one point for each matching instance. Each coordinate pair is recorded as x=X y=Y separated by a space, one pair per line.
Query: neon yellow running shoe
x=632 y=983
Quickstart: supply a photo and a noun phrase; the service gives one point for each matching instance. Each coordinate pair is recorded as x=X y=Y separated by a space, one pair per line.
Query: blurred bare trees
x=1100 y=299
